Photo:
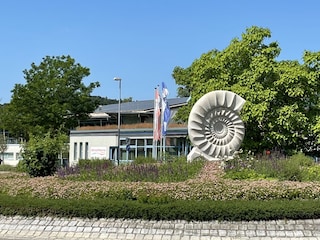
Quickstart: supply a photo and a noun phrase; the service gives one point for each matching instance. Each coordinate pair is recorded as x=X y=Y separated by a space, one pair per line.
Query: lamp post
x=119 y=109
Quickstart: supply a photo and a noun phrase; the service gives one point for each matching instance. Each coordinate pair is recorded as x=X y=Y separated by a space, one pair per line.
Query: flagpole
x=162 y=132
x=154 y=142
x=164 y=148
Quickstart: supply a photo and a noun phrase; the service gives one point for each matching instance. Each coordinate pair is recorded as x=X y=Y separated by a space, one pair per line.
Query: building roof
x=139 y=106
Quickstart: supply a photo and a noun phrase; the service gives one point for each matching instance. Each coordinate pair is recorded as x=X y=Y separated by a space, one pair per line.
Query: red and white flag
x=156 y=117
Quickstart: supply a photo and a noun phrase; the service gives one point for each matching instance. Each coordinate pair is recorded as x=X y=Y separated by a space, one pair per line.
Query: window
x=149 y=152
x=140 y=142
x=143 y=147
x=75 y=151
x=86 y=151
x=140 y=152
x=81 y=150
x=8 y=156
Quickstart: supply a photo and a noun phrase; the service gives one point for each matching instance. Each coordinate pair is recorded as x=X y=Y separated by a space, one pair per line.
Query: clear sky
x=142 y=41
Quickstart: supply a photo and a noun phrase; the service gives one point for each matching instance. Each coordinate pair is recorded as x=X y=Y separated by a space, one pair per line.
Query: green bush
x=244 y=174
x=22 y=167
x=290 y=170
x=179 y=169
x=293 y=168
x=311 y=173
x=41 y=153
x=302 y=160
x=5 y=167
x=270 y=167
x=144 y=160
x=237 y=210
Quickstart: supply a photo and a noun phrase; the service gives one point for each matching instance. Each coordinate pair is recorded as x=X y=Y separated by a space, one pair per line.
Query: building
x=97 y=138
x=12 y=146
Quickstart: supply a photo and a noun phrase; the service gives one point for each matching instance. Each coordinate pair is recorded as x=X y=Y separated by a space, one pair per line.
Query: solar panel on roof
x=138 y=106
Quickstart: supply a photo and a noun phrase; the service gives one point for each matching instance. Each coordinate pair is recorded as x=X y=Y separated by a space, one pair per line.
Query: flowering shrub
x=144 y=170
x=209 y=184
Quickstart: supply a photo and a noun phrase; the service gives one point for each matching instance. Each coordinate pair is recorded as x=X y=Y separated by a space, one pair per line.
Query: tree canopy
x=53 y=98
x=282 y=97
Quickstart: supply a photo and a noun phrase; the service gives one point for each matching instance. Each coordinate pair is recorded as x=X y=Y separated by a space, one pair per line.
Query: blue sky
x=142 y=41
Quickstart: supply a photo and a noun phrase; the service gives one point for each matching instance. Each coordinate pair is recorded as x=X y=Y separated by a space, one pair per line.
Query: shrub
x=22 y=167
x=236 y=210
x=41 y=153
x=270 y=167
x=86 y=169
x=179 y=169
x=311 y=173
x=5 y=167
x=134 y=173
x=244 y=174
x=302 y=160
x=146 y=170
x=144 y=160
x=248 y=167
x=292 y=169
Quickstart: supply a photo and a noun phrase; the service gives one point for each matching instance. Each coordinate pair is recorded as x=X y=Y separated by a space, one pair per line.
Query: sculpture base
x=195 y=152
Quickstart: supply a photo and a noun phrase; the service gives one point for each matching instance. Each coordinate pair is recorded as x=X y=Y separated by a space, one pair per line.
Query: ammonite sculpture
x=214 y=126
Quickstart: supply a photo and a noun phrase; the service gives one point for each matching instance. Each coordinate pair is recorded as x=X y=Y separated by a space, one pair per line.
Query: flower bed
x=208 y=185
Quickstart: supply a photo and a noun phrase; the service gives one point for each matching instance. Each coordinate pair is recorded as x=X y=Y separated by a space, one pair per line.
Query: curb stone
x=41 y=228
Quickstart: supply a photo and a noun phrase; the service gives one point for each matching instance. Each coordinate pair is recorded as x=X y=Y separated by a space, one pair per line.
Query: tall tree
x=54 y=97
x=3 y=146
x=281 y=96
x=3 y=140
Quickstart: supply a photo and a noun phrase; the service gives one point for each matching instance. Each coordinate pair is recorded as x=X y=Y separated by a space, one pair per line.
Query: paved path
x=22 y=228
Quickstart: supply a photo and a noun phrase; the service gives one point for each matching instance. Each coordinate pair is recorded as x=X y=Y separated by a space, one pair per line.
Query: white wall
x=12 y=154
x=96 y=147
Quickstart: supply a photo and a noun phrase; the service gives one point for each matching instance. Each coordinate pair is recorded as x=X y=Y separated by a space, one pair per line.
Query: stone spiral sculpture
x=215 y=127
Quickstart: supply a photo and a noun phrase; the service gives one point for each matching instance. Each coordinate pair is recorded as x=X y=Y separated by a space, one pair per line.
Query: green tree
x=103 y=101
x=3 y=146
x=3 y=140
x=40 y=153
x=282 y=101
x=54 y=97
x=182 y=76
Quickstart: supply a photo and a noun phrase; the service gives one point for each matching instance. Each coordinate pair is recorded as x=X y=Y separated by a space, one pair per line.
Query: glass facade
x=143 y=147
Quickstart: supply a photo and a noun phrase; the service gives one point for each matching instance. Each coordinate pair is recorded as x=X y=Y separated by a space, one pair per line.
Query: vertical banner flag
x=156 y=116
x=165 y=109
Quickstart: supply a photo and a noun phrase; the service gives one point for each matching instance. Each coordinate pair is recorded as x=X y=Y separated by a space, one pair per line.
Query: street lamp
x=119 y=109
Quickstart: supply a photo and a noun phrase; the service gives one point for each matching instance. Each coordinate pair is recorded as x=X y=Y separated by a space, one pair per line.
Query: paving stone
x=118 y=229
x=307 y=233
x=148 y=237
x=136 y=230
x=250 y=233
x=222 y=233
x=185 y=238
